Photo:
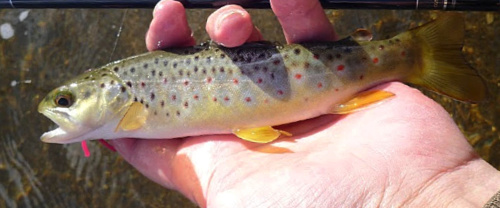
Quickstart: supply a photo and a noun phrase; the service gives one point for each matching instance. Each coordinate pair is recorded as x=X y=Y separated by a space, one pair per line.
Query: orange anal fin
x=134 y=118
x=264 y=134
x=361 y=101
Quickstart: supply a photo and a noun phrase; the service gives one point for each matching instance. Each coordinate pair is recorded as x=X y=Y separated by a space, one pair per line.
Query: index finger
x=303 y=21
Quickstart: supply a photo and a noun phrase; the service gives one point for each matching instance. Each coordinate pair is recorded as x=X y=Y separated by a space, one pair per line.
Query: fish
x=245 y=91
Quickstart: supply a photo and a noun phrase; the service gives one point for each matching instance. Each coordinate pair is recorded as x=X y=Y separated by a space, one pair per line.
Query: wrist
x=469 y=185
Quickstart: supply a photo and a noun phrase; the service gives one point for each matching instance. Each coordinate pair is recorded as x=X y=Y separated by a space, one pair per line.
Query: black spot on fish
x=132 y=70
x=178 y=113
x=188 y=74
x=296 y=51
x=155 y=113
x=329 y=57
x=147 y=105
x=102 y=85
x=129 y=84
x=103 y=75
x=87 y=77
x=123 y=89
x=165 y=63
x=160 y=73
x=86 y=94
x=397 y=40
x=142 y=101
x=181 y=72
x=116 y=69
x=272 y=76
x=195 y=69
x=153 y=73
x=156 y=60
x=135 y=99
x=162 y=103
x=152 y=96
x=186 y=104
x=222 y=69
x=196 y=58
x=222 y=56
x=112 y=82
x=213 y=69
x=125 y=73
x=188 y=61
x=204 y=71
x=347 y=50
x=145 y=66
x=175 y=65
x=209 y=59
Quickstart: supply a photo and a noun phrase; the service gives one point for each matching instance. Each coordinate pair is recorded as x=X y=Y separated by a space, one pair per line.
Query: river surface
x=40 y=49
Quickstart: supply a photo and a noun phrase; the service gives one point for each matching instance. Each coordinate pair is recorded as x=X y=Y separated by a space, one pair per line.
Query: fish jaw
x=67 y=131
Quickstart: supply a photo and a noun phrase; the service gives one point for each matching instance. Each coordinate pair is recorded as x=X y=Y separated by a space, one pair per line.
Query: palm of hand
x=383 y=154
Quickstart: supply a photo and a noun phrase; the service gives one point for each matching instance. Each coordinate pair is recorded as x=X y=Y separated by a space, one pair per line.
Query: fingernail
x=227 y=16
x=158 y=6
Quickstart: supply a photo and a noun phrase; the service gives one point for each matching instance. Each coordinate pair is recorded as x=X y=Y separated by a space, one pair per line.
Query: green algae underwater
x=47 y=47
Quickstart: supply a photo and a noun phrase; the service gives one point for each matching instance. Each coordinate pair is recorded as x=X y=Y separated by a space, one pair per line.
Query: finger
x=303 y=21
x=169 y=27
x=232 y=26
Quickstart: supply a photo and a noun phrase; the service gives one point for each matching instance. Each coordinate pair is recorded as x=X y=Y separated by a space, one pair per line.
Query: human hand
x=406 y=151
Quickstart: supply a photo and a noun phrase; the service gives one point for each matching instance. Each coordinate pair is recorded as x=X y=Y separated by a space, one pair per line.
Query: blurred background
x=40 y=49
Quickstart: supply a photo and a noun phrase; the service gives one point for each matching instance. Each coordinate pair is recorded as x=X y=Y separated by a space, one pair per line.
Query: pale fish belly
x=216 y=90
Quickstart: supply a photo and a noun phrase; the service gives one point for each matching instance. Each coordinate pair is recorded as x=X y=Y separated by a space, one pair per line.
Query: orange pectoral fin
x=264 y=134
x=361 y=101
x=134 y=118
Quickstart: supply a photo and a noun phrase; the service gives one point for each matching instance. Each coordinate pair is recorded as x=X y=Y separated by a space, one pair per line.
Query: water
x=42 y=48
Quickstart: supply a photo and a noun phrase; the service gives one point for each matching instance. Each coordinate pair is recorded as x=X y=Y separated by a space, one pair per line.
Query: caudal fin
x=444 y=69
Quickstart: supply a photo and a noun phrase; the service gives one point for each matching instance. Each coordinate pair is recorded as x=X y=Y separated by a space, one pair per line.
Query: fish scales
x=211 y=89
x=216 y=89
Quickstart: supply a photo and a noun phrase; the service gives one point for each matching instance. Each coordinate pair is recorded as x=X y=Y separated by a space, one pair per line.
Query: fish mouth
x=66 y=132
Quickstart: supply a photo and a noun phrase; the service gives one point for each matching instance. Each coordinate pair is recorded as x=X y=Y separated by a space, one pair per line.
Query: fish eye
x=64 y=99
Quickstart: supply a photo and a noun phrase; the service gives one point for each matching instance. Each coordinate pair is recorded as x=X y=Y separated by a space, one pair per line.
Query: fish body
x=211 y=89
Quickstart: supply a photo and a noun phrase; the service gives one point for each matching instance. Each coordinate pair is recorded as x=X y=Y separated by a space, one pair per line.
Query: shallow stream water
x=40 y=49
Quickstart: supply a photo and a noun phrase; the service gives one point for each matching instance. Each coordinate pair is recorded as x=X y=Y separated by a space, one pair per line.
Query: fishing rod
x=456 y=5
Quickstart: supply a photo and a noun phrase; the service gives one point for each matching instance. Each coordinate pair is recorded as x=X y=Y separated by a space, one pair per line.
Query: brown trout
x=246 y=90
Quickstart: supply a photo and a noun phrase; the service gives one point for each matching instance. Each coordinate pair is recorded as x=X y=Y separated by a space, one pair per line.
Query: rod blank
x=457 y=5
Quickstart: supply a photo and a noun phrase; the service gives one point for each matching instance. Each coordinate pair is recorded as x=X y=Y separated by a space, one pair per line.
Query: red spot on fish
x=298 y=76
x=266 y=101
x=381 y=47
x=165 y=80
x=336 y=89
x=361 y=77
x=340 y=67
x=277 y=62
x=306 y=65
x=306 y=99
x=403 y=53
x=375 y=60
x=320 y=85
x=143 y=84
x=209 y=79
x=174 y=97
x=280 y=92
x=226 y=98
x=186 y=104
x=186 y=83
x=195 y=97
x=259 y=80
x=248 y=99
x=316 y=56
x=215 y=99
x=235 y=81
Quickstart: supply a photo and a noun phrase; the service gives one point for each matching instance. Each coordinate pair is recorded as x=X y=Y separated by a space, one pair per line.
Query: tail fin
x=444 y=69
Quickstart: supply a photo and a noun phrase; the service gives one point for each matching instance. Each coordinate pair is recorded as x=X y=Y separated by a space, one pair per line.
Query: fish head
x=84 y=105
